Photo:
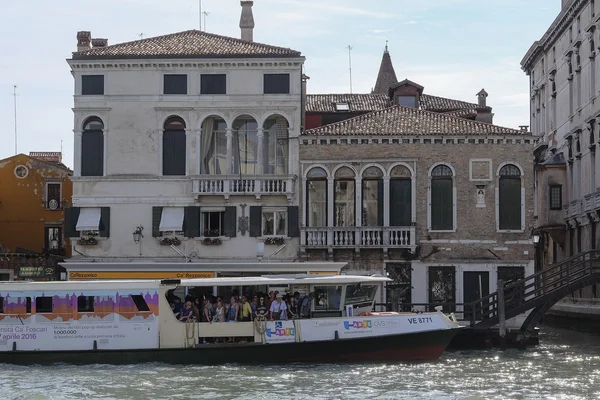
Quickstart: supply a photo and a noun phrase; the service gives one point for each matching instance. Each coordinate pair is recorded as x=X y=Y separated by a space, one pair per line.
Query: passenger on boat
x=254 y=304
x=304 y=304
x=187 y=314
x=271 y=298
x=207 y=310
x=245 y=310
x=261 y=308
x=337 y=298
x=219 y=314
x=278 y=308
x=292 y=308
x=233 y=310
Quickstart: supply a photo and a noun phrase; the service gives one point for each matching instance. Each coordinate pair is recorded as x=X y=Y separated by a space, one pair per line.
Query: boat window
x=42 y=304
x=140 y=302
x=358 y=294
x=27 y=305
x=85 y=304
x=327 y=297
x=1 y=305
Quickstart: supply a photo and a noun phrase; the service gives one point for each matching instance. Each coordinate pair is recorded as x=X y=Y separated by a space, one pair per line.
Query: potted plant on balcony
x=276 y=240
x=88 y=240
x=215 y=241
x=168 y=241
x=212 y=233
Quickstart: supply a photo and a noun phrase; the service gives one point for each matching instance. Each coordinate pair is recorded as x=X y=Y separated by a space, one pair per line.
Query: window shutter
x=509 y=209
x=380 y=202
x=442 y=209
x=104 y=227
x=230 y=221
x=168 y=146
x=191 y=222
x=293 y=227
x=179 y=153
x=70 y=224
x=156 y=215
x=92 y=153
x=401 y=202
x=255 y=221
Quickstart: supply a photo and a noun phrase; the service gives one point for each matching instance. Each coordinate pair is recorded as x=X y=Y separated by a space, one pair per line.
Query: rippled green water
x=565 y=366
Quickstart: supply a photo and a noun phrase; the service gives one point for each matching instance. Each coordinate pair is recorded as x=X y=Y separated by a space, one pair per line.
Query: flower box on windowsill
x=88 y=241
x=275 y=240
x=212 y=241
x=169 y=241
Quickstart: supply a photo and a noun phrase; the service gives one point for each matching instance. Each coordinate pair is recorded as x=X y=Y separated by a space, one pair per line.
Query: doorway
x=476 y=285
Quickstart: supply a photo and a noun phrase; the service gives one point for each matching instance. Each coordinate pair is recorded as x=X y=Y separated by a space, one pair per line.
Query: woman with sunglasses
x=261 y=308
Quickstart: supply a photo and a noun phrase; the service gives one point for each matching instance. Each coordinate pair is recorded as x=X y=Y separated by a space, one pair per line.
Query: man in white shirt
x=278 y=310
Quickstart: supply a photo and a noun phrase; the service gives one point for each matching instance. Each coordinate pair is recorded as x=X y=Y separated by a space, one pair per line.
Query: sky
x=453 y=48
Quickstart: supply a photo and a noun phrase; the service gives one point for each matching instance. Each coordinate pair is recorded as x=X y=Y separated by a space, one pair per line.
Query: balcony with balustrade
x=256 y=185
x=368 y=237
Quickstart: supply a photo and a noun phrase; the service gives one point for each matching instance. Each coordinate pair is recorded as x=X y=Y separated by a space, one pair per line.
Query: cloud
x=337 y=9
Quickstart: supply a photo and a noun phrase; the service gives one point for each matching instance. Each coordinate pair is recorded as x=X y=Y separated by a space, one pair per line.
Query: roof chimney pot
x=247 y=21
x=84 y=40
x=482 y=97
x=99 y=43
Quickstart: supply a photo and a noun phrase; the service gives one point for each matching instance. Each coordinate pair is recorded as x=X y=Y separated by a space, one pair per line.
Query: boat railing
x=461 y=311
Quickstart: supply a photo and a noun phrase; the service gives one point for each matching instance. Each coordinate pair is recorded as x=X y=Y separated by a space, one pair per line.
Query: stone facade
x=565 y=114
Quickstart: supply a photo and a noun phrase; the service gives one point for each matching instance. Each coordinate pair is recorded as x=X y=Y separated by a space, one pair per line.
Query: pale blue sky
x=451 y=47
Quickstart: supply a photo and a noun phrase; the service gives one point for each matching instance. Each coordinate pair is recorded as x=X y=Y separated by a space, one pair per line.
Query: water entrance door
x=476 y=284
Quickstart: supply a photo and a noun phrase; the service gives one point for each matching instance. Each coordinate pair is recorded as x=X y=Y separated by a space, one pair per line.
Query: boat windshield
x=360 y=294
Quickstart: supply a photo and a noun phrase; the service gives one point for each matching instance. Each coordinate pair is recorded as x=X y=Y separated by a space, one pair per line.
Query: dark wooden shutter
x=276 y=83
x=293 y=226
x=191 y=222
x=92 y=153
x=379 y=202
x=104 y=227
x=230 y=221
x=174 y=153
x=156 y=215
x=441 y=205
x=509 y=197
x=213 y=84
x=92 y=84
x=70 y=224
x=400 y=202
x=255 y=221
x=175 y=84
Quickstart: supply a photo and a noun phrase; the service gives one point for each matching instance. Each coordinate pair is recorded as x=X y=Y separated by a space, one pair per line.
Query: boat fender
x=337 y=335
x=95 y=345
x=14 y=346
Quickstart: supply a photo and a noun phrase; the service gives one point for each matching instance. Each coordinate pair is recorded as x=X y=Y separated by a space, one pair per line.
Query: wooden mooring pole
x=501 y=315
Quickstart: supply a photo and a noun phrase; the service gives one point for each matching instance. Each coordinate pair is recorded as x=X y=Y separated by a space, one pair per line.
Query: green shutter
x=104 y=228
x=156 y=215
x=293 y=227
x=442 y=210
x=71 y=217
x=191 y=222
x=400 y=202
x=255 y=221
x=230 y=221
x=509 y=206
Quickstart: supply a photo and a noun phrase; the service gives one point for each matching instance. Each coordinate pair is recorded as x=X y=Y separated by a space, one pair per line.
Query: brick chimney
x=482 y=97
x=84 y=40
x=99 y=43
x=247 y=21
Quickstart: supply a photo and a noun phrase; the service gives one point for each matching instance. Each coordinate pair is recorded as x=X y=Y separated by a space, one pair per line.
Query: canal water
x=566 y=365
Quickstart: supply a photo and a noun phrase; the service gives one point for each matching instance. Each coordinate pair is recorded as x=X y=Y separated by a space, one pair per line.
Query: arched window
x=275 y=145
x=344 y=190
x=213 y=146
x=509 y=198
x=92 y=147
x=316 y=198
x=174 y=149
x=372 y=197
x=442 y=199
x=245 y=149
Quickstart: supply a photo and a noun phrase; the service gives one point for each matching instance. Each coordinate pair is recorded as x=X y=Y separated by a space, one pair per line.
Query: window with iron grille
x=53 y=196
x=556 y=197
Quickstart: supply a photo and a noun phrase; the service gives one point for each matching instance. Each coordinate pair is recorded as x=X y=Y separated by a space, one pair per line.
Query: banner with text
x=280 y=332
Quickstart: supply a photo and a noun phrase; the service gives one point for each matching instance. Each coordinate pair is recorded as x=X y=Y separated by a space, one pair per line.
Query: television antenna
x=350 y=65
x=15 y=106
x=200 y=14
x=141 y=35
x=205 y=14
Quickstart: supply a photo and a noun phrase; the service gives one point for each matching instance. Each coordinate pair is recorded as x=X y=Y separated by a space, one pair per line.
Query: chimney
x=524 y=128
x=247 y=21
x=84 y=40
x=305 y=79
x=482 y=98
x=99 y=43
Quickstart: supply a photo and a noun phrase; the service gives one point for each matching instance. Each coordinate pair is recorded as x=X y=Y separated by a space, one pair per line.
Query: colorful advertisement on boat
x=280 y=332
x=364 y=326
x=78 y=321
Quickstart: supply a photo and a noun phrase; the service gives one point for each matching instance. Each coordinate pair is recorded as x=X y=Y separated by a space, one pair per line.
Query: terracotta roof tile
x=400 y=120
x=187 y=44
x=325 y=103
x=466 y=113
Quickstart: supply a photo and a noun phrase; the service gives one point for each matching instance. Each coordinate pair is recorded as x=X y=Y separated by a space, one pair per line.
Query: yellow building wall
x=24 y=215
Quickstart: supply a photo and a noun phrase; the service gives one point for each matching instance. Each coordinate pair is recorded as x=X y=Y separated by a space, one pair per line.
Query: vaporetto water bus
x=115 y=322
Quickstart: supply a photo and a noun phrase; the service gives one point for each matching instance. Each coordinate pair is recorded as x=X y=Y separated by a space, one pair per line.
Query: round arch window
x=21 y=171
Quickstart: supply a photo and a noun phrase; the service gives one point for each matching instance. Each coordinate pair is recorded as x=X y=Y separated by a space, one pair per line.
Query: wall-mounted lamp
x=137 y=234
x=536 y=239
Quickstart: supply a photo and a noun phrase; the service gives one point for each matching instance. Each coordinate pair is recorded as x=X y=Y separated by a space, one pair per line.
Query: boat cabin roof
x=269 y=280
